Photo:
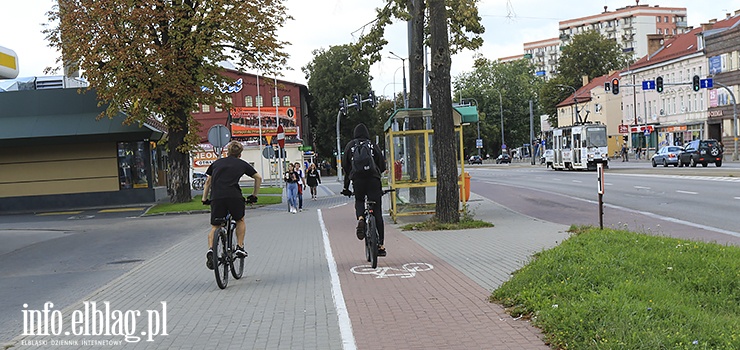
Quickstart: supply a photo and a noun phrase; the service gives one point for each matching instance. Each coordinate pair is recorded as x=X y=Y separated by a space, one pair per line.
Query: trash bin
x=467 y=188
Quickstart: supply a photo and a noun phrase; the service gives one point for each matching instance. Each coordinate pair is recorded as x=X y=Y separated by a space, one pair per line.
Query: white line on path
x=345 y=324
x=641 y=187
x=737 y=197
x=687 y=192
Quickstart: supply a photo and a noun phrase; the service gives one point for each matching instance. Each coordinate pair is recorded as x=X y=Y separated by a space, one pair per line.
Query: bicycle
x=372 y=240
x=224 y=258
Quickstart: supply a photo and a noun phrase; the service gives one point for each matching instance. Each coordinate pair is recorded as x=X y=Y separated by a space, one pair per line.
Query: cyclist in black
x=226 y=195
x=365 y=184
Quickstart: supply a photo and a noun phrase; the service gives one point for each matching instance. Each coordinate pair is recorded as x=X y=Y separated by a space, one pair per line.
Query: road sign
x=706 y=83
x=478 y=143
x=219 y=135
x=503 y=146
x=268 y=152
x=648 y=85
x=281 y=136
x=8 y=63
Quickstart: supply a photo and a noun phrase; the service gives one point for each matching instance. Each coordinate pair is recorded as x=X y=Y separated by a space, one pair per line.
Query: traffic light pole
x=734 y=119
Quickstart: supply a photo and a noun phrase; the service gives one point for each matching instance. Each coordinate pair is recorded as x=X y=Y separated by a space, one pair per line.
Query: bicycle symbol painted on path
x=406 y=271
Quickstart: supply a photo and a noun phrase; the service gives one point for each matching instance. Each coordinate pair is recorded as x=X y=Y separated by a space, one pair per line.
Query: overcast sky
x=324 y=23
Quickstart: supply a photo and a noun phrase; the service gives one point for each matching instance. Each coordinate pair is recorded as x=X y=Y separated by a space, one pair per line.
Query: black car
x=701 y=152
x=475 y=160
x=503 y=158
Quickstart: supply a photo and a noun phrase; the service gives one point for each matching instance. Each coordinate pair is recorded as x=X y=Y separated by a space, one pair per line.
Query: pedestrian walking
x=625 y=157
x=313 y=179
x=291 y=181
x=301 y=184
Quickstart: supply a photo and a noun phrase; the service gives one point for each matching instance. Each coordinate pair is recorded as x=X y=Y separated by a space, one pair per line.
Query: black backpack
x=363 y=160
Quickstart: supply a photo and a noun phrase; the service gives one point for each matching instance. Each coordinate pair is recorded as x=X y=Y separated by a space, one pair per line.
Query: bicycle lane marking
x=345 y=324
x=404 y=303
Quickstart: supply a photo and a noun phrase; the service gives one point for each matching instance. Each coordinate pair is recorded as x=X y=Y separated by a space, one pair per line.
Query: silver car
x=667 y=155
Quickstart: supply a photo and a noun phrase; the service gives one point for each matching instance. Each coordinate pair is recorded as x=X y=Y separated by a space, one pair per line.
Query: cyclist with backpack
x=363 y=163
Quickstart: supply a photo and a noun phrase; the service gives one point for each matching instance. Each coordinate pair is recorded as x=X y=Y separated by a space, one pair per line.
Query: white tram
x=579 y=147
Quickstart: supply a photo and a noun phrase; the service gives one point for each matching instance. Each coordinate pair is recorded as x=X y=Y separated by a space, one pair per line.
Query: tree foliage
x=150 y=58
x=588 y=53
x=517 y=84
x=462 y=29
x=331 y=76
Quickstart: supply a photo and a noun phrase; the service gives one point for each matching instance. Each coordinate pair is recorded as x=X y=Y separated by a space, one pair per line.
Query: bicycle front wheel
x=371 y=242
x=221 y=258
x=237 y=265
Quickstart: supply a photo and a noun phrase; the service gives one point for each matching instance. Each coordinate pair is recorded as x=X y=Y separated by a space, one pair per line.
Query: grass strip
x=614 y=289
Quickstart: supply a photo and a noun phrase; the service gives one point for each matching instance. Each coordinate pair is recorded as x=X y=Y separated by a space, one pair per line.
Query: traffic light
x=624 y=138
x=371 y=96
x=357 y=101
x=659 y=84
x=696 y=82
x=343 y=105
x=615 y=86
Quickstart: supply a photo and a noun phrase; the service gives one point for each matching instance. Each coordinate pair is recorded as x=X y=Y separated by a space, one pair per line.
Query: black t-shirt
x=226 y=173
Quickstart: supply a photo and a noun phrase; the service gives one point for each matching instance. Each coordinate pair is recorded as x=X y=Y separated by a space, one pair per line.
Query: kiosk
x=409 y=140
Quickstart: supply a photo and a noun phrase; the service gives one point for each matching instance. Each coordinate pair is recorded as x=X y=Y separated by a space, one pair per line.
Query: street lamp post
x=575 y=100
x=403 y=65
x=501 y=110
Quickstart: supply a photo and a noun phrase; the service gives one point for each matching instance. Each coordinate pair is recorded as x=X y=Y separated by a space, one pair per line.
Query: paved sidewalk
x=285 y=299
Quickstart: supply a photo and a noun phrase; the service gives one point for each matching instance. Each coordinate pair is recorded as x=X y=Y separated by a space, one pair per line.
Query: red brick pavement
x=436 y=309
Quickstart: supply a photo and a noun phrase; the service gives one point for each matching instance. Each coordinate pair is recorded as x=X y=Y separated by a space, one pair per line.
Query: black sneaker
x=209 y=259
x=240 y=252
x=381 y=251
x=360 y=229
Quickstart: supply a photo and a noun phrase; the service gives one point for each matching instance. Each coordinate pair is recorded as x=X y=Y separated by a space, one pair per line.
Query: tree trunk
x=179 y=162
x=415 y=144
x=444 y=129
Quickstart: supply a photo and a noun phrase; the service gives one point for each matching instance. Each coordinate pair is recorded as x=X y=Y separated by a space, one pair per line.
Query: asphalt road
x=65 y=256
x=676 y=201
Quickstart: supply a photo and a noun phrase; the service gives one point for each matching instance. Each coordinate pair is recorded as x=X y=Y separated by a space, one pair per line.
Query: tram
x=579 y=147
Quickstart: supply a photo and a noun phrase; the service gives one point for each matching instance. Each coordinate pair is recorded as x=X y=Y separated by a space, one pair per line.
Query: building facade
x=680 y=113
x=544 y=55
x=723 y=55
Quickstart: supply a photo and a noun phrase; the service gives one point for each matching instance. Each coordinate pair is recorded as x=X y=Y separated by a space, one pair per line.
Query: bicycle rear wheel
x=237 y=265
x=221 y=258
x=371 y=242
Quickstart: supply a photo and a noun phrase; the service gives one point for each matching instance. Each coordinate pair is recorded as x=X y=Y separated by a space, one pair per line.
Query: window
x=665 y=19
x=259 y=101
x=286 y=101
x=205 y=108
x=133 y=164
x=247 y=101
x=276 y=101
x=657 y=19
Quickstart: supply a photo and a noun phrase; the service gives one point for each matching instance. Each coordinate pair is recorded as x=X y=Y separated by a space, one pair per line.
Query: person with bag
x=291 y=184
x=313 y=178
x=363 y=163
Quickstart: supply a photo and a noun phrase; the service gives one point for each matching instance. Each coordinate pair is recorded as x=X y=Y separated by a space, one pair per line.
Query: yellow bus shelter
x=409 y=142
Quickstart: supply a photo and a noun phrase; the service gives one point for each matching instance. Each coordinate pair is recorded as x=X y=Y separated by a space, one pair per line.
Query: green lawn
x=196 y=204
x=616 y=289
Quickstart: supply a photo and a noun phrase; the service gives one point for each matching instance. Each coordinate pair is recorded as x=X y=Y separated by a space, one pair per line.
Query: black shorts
x=220 y=207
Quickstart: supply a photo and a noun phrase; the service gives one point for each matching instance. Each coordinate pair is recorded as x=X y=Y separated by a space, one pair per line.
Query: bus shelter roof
x=460 y=114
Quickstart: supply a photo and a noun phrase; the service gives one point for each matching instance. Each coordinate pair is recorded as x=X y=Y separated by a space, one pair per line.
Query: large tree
x=590 y=54
x=496 y=87
x=150 y=58
x=332 y=75
x=463 y=28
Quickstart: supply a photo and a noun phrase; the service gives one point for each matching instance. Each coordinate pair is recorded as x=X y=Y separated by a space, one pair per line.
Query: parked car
x=547 y=158
x=503 y=158
x=701 y=152
x=475 y=160
x=667 y=155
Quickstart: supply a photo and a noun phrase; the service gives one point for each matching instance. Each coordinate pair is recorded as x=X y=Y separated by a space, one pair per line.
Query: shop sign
x=715 y=113
x=205 y=158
